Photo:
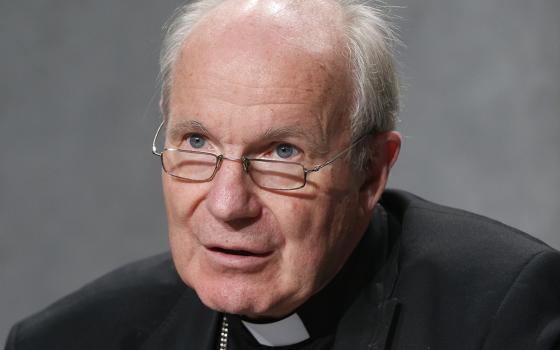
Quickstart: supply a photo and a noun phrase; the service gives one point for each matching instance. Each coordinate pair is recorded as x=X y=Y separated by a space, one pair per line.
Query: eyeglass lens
x=197 y=166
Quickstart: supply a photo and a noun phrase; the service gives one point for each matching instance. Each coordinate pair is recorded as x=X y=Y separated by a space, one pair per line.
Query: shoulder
x=475 y=279
x=429 y=228
x=121 y=307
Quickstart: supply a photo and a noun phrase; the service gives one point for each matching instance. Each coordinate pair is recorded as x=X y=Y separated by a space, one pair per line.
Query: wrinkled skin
x=251 y=78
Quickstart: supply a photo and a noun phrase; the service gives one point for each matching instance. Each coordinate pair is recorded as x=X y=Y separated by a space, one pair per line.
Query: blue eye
x=285 y=150
x=197 y=141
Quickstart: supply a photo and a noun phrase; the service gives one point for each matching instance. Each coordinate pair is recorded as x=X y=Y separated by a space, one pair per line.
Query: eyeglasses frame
x=247 y=161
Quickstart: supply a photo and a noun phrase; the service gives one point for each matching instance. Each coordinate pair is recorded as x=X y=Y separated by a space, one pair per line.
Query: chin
x=243 y=299
x=232 y=299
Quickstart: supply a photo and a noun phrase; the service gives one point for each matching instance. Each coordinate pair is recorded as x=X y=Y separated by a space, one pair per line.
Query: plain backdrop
x=80 y=191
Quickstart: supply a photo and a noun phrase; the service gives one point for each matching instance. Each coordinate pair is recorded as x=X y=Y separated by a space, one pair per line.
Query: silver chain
x=224 y=334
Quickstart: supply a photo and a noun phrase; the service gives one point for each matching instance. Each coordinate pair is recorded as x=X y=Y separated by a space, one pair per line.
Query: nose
x=231 y=198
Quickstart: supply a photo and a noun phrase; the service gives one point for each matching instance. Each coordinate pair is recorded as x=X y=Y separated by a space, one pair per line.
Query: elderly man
x=276 y=144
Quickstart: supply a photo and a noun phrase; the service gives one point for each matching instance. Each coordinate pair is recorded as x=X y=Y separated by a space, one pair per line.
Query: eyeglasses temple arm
x=154 y=148
x=338 y=155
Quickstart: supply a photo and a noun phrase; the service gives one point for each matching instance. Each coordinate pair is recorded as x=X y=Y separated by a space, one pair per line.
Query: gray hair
x=370 y=49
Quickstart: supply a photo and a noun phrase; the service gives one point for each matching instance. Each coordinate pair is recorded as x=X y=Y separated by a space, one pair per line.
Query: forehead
x=313 y=25
x=251 y=64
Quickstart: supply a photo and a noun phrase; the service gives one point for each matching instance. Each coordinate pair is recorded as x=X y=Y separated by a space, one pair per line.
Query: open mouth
x=237 y=252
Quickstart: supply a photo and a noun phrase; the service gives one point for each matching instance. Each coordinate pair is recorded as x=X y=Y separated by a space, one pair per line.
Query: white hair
x=370 y=49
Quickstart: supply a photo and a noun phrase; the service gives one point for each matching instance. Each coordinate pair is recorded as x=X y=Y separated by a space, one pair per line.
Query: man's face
x=248 y=92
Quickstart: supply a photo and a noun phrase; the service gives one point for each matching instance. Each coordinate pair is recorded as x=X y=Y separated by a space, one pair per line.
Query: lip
x=237 y=258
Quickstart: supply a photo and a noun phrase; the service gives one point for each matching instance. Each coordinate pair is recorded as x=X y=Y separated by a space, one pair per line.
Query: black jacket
x=450 y=280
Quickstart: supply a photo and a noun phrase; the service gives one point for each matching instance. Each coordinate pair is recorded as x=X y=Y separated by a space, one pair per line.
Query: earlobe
x=385 y=148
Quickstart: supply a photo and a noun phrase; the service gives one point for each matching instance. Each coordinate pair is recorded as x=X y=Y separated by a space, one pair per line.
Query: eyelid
x=187 y=135
x=176 y=137
x=265 y=153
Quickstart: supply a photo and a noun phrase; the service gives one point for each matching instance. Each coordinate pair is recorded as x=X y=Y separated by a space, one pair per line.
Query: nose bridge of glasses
x=243 y=160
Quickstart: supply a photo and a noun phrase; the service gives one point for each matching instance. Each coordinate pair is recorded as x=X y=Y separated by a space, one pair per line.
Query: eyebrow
x=178 y=129
x=317 y=147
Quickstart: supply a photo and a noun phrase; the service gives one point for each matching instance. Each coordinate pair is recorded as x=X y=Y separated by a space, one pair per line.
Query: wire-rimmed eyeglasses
x=197 y=166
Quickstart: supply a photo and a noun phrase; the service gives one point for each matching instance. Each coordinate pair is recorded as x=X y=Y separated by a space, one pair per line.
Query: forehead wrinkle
x=257 y=100
x=234 y=93
x=216 y=78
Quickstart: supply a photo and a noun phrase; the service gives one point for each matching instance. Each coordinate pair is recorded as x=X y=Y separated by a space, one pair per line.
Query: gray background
x=79 y=189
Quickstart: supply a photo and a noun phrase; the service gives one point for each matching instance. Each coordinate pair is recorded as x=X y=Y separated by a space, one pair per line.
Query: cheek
x=306 y=226
x=181 y=200
x=320 y=238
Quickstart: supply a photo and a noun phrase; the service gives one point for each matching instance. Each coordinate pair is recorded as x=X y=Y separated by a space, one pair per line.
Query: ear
x=161 y=106
x=384 y=150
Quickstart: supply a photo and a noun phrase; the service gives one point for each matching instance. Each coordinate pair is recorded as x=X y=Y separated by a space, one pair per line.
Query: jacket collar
x=189 y=325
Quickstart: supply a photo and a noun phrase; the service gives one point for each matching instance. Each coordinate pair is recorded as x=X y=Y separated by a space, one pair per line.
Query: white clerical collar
x=287 y=331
